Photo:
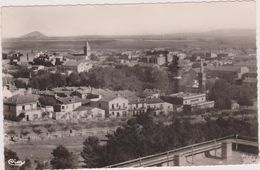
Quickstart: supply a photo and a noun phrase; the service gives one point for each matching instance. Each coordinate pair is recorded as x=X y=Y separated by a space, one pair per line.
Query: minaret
x=202 y=77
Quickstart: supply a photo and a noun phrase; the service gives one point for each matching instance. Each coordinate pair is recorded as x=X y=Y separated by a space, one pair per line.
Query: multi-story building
x=114 y=106
x=189 y=101
x=67 y=104
x=25 y=104
x=76 y=66
x=154 y=59
x=158 y=106
x=137 y=107
x=84 y=112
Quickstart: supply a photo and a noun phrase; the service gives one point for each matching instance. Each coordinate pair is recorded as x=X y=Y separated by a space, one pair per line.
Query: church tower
x=87 y=50
x=202 y=77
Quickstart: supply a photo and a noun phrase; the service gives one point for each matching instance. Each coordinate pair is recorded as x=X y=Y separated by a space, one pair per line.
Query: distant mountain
x=232 y=34
x=34 y=35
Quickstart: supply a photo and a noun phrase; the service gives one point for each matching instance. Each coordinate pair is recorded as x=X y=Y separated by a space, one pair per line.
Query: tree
x=221 y=94
x=92 y=153
x=20 y=117
x=73 y=79
x=20 y=83
x=62 y=158
x=23 y=72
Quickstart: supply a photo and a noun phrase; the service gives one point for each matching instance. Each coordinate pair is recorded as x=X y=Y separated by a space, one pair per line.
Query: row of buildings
x=77 y=103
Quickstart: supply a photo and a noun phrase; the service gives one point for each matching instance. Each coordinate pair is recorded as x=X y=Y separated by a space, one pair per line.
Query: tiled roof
x=21 y=99
x=154 y=100
x=67 y=100
x=84 y=108
x=71 y=63
x=108 y=98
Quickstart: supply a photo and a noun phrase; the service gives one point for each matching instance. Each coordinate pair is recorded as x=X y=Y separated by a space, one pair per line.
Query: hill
x=34 y=35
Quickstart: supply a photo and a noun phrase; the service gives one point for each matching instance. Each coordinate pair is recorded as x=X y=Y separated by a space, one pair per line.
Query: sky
x=128 y=19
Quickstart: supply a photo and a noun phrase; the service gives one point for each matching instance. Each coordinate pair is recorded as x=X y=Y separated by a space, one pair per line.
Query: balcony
x=118 y=108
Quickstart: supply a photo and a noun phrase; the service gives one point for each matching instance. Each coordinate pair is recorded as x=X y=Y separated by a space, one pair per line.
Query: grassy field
x=41 y=150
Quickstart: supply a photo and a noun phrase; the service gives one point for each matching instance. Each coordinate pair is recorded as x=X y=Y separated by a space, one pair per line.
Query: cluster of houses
x=83 y=103
x=86 y=103
x=43 y=60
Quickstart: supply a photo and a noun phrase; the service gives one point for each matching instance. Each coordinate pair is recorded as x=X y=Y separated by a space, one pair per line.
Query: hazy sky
x=128 y=19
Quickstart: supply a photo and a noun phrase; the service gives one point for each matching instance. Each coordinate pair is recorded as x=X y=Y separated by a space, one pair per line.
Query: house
x=151 y=93
x=159 y=106
x=227 y=72
x=76 y=66
x=189 y=101
x=7 y=79
x=85 y=94
x=67 y=104
x=6 y=92
x=114 y=106
x=137 y=107
x=234 y=105
x=209 y=55
x=26 y=104
x=89 y=113
x=154 y=59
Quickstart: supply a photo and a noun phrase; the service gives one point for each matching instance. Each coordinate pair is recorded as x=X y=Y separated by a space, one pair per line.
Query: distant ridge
x=34 y=35
x=214 y=34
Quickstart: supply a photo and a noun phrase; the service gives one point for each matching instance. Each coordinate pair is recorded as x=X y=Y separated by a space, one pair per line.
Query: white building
x=114 y=106
x=76 y=66
x=26 y=104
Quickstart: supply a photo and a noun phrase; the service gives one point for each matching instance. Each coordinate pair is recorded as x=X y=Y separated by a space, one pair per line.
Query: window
x=113 y=113
x=62 y=107
x=99 y=105
x=117 y=114
x=9 y=108
x=113 y=106
x=161 y=106
x=23 y=107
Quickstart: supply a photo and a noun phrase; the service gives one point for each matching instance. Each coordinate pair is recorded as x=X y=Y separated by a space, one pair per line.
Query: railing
x=248 y=138
x=118 y=108
x=215 y=142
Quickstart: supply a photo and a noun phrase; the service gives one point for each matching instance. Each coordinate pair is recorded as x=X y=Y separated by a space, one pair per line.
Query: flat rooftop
x=183 y=95
x=236 y=159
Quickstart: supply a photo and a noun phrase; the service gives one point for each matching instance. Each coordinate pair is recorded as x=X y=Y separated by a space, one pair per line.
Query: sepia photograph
x=129 y=85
